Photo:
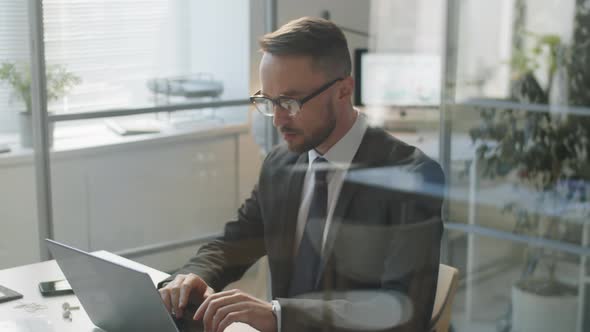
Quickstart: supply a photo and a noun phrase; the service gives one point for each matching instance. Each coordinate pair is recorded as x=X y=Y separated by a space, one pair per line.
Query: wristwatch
x=276 y=311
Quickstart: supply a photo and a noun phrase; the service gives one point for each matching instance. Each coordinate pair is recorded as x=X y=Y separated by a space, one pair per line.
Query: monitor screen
x=393 y=79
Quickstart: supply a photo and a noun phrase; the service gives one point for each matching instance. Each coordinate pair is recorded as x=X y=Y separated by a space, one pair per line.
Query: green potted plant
x=18 y=77
x=546 y=156
x=546 y=49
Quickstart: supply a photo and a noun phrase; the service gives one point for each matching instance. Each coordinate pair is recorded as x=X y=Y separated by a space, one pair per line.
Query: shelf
x=470 y=104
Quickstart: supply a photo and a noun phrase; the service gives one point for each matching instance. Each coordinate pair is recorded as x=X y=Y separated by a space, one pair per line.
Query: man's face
x=294 y=76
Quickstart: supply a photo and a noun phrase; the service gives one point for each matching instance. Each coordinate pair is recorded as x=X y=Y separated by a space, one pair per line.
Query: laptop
x=115 y=297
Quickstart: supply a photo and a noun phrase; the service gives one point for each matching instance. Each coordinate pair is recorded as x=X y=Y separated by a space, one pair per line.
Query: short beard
x=317 y=139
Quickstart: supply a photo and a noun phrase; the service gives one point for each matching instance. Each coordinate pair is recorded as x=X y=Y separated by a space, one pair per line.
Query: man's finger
x=234 y=317
x=193 y=286
x=185 y=290
x=226 y=310
x=165 y=294
x=203 y=307
x=174 y=293
x=179 y=279
x=198 y=284
x=219 y=303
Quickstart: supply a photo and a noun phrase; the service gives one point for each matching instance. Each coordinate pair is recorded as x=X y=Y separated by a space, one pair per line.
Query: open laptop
x=115 y=297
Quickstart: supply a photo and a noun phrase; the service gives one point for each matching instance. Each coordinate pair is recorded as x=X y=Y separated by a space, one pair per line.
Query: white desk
x=25 y=280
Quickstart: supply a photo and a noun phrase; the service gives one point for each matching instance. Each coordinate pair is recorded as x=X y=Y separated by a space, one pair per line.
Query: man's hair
x=316 y=37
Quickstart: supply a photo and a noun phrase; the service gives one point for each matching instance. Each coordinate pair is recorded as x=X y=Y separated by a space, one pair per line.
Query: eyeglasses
x=266 y=105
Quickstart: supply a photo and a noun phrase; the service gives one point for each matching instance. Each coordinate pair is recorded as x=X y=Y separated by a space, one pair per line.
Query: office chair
x=446 y=288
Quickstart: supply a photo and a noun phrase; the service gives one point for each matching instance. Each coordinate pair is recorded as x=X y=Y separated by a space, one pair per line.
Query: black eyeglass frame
x=277 y=101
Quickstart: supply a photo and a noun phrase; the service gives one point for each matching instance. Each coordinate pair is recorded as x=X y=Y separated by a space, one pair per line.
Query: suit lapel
x=346 y=194
x=295 y=174
x=362 y=159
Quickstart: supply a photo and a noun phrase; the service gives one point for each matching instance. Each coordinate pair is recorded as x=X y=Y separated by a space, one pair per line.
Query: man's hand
x=222 y=309
x=183 y=289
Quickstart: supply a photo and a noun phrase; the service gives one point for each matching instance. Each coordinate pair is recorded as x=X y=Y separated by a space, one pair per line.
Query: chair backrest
x=446 y=288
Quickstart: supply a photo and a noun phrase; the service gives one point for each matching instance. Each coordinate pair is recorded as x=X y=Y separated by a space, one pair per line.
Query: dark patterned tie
x=308 y=258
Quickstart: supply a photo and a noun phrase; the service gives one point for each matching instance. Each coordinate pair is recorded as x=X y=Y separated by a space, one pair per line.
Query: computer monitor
x=397 y=79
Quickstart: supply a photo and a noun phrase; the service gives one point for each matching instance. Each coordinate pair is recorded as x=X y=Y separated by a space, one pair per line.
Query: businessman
x=348 y=215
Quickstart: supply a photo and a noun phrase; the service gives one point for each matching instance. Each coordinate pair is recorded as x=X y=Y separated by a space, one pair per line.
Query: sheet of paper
x=26 y=325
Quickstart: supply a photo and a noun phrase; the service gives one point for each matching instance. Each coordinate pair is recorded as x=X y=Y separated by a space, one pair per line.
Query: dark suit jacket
x=384 y=238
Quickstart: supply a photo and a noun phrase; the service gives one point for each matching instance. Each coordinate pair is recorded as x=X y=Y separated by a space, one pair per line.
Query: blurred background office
x=152 y=144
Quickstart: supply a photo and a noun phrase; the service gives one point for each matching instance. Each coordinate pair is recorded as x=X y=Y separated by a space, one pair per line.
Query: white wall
x=407 y=26
x=219 y=43
x=353 y=14
x=14 y=45
x=550 y=17
x=18 y=215
x=484 y=39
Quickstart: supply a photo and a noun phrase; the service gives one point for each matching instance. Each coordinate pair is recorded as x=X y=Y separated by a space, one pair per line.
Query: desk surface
x=25 y=280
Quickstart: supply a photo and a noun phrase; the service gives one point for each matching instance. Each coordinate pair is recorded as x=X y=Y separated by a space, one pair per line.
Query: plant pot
x=25 y=121
x=532 y=311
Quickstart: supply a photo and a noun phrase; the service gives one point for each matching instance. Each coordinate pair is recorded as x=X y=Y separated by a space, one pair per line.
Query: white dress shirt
x=339 y=158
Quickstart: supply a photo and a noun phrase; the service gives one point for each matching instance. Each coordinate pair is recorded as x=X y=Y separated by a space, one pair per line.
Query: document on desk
x=135 y=127
x=32 y=324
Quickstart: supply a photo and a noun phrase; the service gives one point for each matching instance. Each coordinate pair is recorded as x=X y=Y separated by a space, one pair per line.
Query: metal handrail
x=513 y=105
x=145 y=110
x=476 y=229
x=166 y=246
x=525 y=239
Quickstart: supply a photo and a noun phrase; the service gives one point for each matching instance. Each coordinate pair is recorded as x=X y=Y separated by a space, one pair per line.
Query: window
x=117 y=47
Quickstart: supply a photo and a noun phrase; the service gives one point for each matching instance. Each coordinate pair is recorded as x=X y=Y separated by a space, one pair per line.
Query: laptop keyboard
x=187 y=324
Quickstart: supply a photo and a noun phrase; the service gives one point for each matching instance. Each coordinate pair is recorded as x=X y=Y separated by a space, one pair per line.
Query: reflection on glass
x=523 y=181
x=17 y=176
x=517 y=228
x=13 y=48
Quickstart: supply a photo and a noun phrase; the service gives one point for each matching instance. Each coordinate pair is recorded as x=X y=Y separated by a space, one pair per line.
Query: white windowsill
x=96 y=137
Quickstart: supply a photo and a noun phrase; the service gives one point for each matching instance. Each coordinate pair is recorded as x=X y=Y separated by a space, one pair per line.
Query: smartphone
x=54 y=288
x=7 y=294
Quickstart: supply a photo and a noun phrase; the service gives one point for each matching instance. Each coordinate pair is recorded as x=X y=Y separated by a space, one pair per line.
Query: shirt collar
x=341 y=154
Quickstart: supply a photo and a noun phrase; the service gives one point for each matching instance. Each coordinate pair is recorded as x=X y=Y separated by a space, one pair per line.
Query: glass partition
x=519 y=126
x=159 y=178
x=18 y=189
x=148 y=174
x=152 y=157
